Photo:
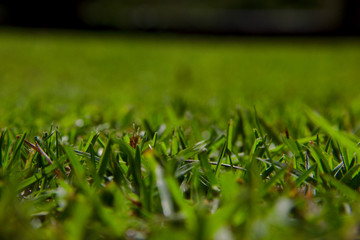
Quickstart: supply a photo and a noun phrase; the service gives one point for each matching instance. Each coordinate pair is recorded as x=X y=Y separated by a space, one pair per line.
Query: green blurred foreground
x=124 y=137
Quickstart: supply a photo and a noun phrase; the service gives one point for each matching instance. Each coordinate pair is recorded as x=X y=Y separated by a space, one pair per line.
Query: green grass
x=130 y=137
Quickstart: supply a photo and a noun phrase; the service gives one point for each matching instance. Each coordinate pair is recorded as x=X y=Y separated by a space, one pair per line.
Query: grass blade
x=16 y=152
x=221 y=156
x=303 y=177
x=75 y=163
x=351 y=174
x=105 y=158
x=342 y=188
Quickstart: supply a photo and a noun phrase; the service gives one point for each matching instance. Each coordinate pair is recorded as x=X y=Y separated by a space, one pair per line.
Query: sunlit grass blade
x=154 y=141
x=192 y=150
x=101 y=142
x=91 y=141
x=321 y=158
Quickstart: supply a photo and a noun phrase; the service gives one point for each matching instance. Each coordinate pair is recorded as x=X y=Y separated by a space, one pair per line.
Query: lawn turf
x=143 y=136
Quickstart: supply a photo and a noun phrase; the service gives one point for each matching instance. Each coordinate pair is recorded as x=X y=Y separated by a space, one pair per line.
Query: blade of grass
x=274 y=179
x=136 y=172
x=148 y=128
x=206 y=167
x=294 y=172
x=35 y=177
x=221 y=156
x=154 y=141
x=91 y=140
x=16 y=152
x=75 y=163
x=303 y=177
x=192 y=150
x=183 y=142
x=321 y=159
x=2 y=143
x=342 y=188
x=105 y=158
x=240 y=129
x=165 y=196
x=350 y=174
x=230 y=134
x=119 y=175
x=335 y=134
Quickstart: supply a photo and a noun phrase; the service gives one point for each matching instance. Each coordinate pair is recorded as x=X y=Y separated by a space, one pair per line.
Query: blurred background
x=199 y=16
x=104 y=60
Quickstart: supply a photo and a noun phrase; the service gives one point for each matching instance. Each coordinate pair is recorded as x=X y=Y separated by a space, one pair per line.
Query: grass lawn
x=113 y=136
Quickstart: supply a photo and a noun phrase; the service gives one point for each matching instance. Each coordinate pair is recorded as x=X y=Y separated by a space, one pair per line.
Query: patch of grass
x=257 y=189
x=149 y=140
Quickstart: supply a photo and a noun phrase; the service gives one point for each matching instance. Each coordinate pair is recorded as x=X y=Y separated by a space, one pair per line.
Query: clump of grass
x=248 y=181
